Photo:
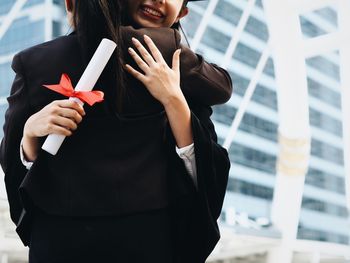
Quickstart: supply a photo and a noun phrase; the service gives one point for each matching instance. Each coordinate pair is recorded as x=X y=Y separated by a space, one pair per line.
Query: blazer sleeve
x=212 y=161
x=197 y=210
x=15 y=117
x=201 y=82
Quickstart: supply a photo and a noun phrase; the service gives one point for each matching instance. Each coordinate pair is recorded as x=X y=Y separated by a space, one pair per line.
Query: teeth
x=152 y=12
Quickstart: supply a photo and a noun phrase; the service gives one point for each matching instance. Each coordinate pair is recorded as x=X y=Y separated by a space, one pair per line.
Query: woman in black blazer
x=117 y=190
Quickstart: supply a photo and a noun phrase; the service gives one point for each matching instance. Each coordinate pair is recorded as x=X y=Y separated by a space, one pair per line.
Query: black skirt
x=144 y=237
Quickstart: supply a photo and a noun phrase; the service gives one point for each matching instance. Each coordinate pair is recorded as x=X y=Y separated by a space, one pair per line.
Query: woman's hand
x=58 y=117
x=164 y=85
x=161 y=81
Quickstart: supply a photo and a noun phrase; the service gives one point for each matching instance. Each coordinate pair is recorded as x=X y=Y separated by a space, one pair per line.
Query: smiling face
x=156 y=13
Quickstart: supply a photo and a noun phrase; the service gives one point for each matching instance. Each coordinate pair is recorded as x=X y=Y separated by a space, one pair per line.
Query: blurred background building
x=236 y=35
x=22 y=24
x=35 y=21
x=254 y=150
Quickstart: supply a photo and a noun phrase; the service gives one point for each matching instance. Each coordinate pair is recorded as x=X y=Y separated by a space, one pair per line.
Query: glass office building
x=36 y=22
x=253 y=153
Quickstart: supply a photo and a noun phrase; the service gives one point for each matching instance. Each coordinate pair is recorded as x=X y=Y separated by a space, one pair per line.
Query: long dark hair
x=97 y=19
x=178 y=25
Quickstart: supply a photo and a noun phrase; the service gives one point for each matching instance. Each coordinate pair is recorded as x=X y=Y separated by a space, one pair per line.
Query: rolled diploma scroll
x=86 y=83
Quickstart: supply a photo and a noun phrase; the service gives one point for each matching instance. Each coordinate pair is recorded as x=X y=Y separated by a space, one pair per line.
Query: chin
x=143 y=23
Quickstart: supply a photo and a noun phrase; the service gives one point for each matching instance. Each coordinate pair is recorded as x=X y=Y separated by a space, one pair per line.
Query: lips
x=151 y=12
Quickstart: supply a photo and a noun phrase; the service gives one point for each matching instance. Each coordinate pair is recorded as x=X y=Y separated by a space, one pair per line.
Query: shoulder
x=158 y=35
x=39 y=54
x=59 y=43
x=44 y=64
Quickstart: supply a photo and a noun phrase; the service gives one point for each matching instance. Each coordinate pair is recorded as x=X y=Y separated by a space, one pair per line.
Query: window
x=324 y=93
x=324 y=66
x=327 y=152
x=216 y=39
x=324 y=207
x=329 y=14
x=250 y=123
x=191 y=23
x=250 y=189
x=56 y=29
x=309 y=29
x=269 y=68
x=325 y=180
x=259 y=3
x=228 y=12
x=257 y=28
x=253 y=158
x=202 y=4
x=312 y=234
x=262 y=95
x=247 y=55
x=325 y=122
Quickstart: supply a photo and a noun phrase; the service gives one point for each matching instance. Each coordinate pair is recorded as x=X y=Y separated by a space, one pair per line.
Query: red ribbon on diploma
x=66 y=88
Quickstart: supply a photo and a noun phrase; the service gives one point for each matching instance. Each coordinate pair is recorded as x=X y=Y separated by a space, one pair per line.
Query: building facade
x=253 y=153
x=36 y=22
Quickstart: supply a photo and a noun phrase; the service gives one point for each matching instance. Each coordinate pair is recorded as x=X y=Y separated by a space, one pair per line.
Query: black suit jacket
x=197 y=211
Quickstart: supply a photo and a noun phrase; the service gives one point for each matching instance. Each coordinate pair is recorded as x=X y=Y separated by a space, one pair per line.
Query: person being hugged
x=140 y=177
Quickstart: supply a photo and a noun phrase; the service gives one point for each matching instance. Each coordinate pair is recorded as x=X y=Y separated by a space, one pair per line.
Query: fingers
x=71 y=114
x=64 y=117
x=143 y=51
x=135 y=73
x=64 y=122
x=60 y=125
x=56 y=129
x=58 y=117
x=176 y=60
x=139 y=61
x=70 y=104
x=154 y=50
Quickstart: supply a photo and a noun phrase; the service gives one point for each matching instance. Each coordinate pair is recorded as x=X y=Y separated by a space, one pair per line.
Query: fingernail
x=130 y=49
x=133 y=39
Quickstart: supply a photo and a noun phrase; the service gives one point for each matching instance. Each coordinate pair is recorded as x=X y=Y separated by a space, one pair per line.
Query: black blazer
x=197 y=211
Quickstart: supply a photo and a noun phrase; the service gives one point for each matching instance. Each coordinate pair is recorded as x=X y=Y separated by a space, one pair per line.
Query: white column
x=48 y=19
x=344 y=22
x=316 y=257
x=294 y=129
x=4 y=258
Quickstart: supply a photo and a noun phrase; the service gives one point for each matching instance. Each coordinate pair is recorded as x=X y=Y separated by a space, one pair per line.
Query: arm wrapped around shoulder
x=198 y=212
x=212 y=160
x=201 y=82
x=167 y=41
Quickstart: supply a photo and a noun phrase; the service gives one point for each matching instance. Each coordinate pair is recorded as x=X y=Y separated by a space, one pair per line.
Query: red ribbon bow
x=66 y=88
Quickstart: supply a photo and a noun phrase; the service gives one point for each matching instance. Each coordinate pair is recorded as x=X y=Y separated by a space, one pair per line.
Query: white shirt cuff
x=188 y=156
x=26 y=163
